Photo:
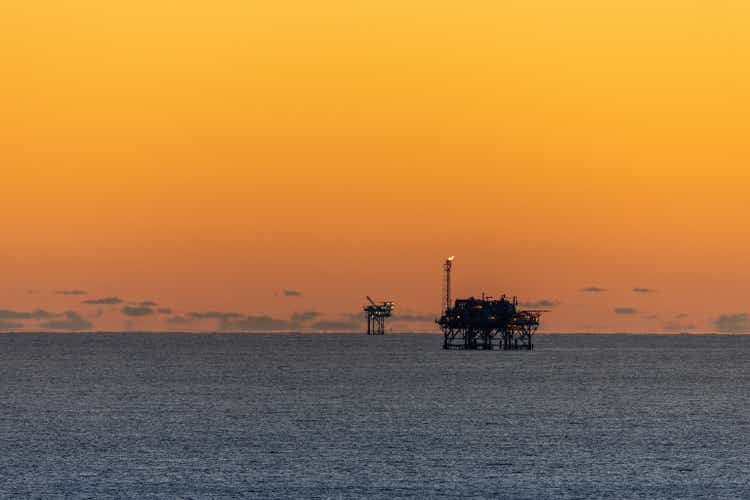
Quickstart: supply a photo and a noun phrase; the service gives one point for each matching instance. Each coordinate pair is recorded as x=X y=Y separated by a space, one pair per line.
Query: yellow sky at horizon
x=206 y=156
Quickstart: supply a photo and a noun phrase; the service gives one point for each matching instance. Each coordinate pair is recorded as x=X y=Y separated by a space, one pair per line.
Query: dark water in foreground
x=344 y=416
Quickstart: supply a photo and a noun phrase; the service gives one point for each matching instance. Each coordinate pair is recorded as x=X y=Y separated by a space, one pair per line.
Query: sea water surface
x=350 y=416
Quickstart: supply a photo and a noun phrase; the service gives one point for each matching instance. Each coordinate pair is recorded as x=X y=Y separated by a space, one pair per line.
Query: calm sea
x=350 y=416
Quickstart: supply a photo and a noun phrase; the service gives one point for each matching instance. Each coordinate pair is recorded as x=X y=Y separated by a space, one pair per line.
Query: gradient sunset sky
x=198 y=165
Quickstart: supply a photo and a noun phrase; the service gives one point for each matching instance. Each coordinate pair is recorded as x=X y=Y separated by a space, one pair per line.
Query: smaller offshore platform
x=376 y=315
x=485 y=323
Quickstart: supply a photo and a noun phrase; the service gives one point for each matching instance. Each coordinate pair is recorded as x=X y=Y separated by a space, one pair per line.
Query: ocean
x=349 y=416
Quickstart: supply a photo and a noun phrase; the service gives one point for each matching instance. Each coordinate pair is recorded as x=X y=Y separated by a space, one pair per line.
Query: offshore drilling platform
x=485 y=323
x=376 y=315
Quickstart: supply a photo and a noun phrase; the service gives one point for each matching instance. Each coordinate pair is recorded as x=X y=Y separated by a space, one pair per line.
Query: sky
x=239 y=165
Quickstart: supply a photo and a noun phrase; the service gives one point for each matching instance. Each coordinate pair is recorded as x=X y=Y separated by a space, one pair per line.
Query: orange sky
x=208 y=155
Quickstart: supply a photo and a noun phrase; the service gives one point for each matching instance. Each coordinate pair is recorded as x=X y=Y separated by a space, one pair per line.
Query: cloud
x=625 y=310
x=732 y=323
x=291 y=293
x=73 y=322
x=676 y=326
x=148 y=303
x=644 y=290
x=71 y=292
x=178 y=320
x=164 y=310
x=137 y=311
x=593 y=289
x=17 y=315
x=104 y=301
x=223 y=316
x=416 y=318
x=541 y=303
x=10 y=325
x=304 y=317
x=337 y=325
x=257 y=323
